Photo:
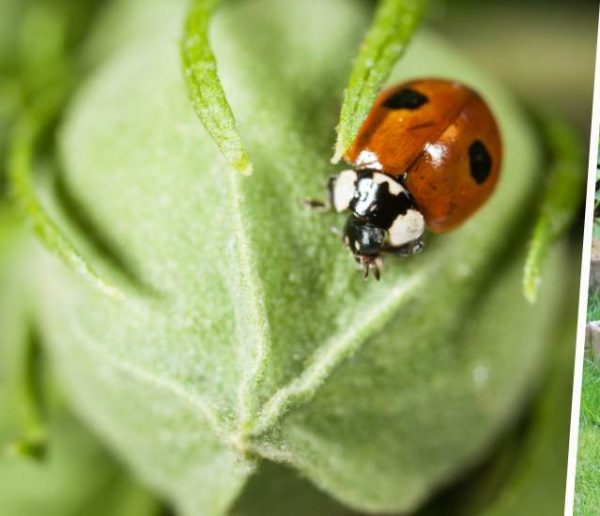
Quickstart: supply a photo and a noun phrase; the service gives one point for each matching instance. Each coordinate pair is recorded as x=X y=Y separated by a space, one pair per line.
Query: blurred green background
x=544 y=51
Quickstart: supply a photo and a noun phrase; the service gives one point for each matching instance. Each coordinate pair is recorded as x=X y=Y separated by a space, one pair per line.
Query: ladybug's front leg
x=316 y=205
x=340 y=189
x=322 y=206
x=414 y=247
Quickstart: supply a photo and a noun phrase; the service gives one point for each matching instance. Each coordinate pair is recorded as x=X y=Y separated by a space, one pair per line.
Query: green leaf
x=15 y=423
x=563 y=197
x=278 y=490
x=77 y=476
x=22 y=372
x=541 y=443
x=32 y=400
x=387 y=39
x=506 y=482
x=205 y=90
x=21 y=167
x=536 y=445
x=267 y=344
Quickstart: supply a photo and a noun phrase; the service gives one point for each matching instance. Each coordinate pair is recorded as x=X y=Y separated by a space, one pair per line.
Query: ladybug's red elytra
x=427 y=155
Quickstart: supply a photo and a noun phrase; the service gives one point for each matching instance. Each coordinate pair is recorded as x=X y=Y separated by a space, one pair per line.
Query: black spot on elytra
x=406 y=98
x=480 y=161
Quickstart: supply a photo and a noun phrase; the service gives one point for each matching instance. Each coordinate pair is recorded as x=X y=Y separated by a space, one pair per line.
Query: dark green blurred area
x=543 y=51
x=39 y=41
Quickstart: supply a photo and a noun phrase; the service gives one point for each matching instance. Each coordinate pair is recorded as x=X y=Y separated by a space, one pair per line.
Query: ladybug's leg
x=323 y=206
x=317 y=205
x=326 y=205
x=375 y=265
x=414 y=247
x=341 y=190
x=370 y=263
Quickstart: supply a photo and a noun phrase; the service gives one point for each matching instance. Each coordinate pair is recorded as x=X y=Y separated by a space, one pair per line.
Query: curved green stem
x=204 y=87
x=394 y=24
x=561 y=200
x=34 y=440
x=20 y=168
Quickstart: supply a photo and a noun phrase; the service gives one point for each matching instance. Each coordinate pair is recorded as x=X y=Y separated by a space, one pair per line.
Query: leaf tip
x=531 y=283
x=241 y=163
x=94 y=279
x=114 y=292
x=339 y=152
x=246 y=168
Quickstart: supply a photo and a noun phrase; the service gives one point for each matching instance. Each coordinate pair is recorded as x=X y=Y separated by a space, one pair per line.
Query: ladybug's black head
x=366 y=241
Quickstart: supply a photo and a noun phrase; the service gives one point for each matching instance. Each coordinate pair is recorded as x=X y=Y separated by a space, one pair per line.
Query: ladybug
x=428 y=155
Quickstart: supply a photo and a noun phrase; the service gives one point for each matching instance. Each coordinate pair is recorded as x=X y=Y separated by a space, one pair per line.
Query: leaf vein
x=327 y=358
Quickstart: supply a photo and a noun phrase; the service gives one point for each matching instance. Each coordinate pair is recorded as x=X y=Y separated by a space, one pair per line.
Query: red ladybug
x=427 y=155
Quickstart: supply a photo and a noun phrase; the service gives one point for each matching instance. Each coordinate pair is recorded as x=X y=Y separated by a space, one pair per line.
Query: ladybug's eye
x=406 y=98
x=480 y=161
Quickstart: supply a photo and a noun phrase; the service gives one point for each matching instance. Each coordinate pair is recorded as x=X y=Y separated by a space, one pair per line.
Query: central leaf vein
x=328 y=357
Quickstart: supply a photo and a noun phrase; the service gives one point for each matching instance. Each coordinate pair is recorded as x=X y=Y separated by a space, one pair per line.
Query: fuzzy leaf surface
x=73 y=473
x=265 y=342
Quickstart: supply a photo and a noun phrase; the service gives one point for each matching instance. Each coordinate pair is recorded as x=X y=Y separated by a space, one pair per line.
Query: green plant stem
x=561 y=200
x=204 y=87
x=394 y=24
x=34 y=440
x=21 y=155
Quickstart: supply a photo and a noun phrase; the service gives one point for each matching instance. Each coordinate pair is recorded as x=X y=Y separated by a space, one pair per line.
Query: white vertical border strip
x=583 y=288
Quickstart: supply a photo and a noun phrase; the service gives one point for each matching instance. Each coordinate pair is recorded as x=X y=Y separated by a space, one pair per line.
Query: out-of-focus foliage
x=310 y=373
x=49 y=464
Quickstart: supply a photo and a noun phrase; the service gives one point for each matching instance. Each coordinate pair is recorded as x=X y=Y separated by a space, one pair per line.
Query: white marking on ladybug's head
x=406 y=228
x=343 y=190
x=368 y=159
x=395 y=187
